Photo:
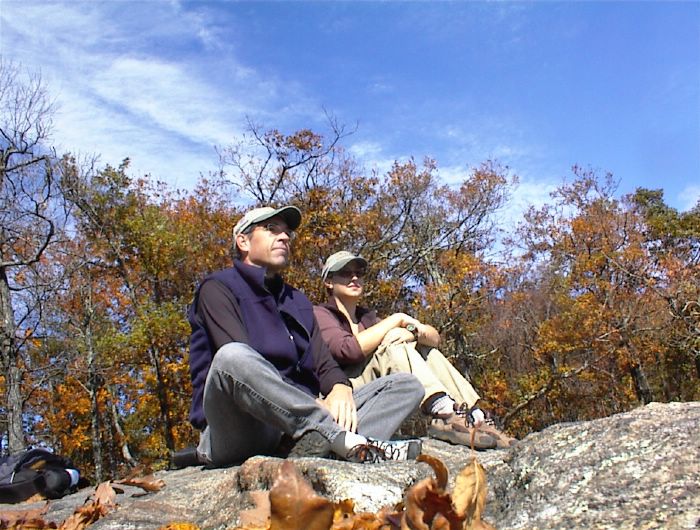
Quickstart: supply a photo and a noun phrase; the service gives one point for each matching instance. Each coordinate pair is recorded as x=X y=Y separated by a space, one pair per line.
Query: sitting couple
x=263 y=379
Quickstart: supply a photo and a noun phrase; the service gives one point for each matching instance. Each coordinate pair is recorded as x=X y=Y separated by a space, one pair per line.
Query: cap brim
x=291 y=216
x=340 y=264
x=346 y=261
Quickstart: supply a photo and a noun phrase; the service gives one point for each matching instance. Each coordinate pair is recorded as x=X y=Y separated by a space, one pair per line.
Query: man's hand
x=341 y=405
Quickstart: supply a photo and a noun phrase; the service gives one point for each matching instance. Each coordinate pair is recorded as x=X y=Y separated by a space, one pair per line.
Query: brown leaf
x=259 y=516
x=360 y=521
x=180 y=526
x=390 y=517
x=344 y=515
x=102 y=503
x=28 y=524
x=26 y=519
x=8 y=518
x=478 y=524
x=429 y=507
x=345 y=518
x=438 y=467
x=105 y=494
x=148 y=483
x=469 y=495
x=440 y=522
x=294 y=505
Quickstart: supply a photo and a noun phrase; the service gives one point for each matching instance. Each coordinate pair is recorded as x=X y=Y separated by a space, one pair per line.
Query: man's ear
x=328 y=283
x=243 y=243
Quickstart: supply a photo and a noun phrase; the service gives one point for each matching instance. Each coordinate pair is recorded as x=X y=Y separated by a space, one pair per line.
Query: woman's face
x=348 y=281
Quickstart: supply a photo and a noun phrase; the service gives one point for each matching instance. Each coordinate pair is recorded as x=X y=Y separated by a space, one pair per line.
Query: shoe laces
x=464 y=411
x=378 y=451
x=366 y=453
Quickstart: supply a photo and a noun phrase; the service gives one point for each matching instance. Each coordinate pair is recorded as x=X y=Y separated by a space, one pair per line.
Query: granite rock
x=635 y=470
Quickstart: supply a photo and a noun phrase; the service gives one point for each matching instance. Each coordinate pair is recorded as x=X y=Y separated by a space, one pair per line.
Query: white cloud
x=168 y=97
x=526 y=193
x=117 y=98
x=689 y=197
x=365 y=150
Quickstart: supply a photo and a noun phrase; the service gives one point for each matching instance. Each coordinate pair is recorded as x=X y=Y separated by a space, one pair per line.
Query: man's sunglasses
x=276 y=229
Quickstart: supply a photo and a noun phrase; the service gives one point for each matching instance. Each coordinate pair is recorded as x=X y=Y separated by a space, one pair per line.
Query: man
x=368 y=347
x=259 y=366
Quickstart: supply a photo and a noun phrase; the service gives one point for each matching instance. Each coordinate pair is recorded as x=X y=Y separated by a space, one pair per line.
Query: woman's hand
x=403 y=320
x=422 y=333
x=397 y=336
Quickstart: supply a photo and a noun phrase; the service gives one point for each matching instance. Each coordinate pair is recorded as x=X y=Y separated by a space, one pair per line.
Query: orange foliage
x=596 y=303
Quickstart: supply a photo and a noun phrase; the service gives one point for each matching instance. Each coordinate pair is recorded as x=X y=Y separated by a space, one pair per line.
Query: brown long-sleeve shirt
x=336 y=331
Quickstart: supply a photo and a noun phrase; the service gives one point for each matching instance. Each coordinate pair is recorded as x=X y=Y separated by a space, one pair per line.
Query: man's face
x=268 y=245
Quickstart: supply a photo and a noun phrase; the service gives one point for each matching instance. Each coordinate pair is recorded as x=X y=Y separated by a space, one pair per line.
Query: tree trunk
x=94 y=386
x=641 y=384
x=126 y=452
x=11 y=369
x=95 y=429
x=163 y=402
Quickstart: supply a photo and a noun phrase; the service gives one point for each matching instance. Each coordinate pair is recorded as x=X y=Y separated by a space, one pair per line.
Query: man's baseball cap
x=290 y=214
x=337 y=261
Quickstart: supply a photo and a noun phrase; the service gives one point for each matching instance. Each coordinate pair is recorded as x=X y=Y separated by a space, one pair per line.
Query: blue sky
x=539 y=86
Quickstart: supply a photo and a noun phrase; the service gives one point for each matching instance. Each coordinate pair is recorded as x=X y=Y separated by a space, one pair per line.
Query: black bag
x=35 y=471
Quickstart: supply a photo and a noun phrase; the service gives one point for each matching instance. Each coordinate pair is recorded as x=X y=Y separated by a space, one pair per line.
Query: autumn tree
x=673 y=239
x=597 y=306
x=593 y=337
x=28 y=225
x=150 y=246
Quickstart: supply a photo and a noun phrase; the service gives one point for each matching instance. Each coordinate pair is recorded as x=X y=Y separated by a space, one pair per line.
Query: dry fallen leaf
x=345 y=518
x=26 y=519
x=10 y=517
x=179 y=526
x=148 y=483
x=361 y=521
x=438 y=467
x=29 y=524
x=469 y=495
x=105 y=494
x=294 y=505
x=429 y=507
x=103 y=501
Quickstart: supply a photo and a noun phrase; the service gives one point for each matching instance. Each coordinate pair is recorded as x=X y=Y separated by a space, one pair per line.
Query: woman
x=367 y=347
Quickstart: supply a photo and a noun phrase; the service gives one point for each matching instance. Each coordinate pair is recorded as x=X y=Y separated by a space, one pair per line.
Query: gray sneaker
x=311 y=444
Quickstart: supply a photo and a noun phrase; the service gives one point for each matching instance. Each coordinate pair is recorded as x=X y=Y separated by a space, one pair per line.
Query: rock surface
x=636 y=470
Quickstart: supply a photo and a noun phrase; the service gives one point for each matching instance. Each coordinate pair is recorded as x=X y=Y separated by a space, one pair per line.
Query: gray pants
x=248 y=406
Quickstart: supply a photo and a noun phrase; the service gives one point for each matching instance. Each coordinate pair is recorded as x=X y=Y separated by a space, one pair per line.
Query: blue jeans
x=248 y=406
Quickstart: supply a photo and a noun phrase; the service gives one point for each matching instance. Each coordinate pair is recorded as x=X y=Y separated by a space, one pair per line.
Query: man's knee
x=408 y=385
x=238 y=360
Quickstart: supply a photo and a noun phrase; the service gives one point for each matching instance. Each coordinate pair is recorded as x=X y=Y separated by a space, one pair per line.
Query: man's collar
x=255 y=275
